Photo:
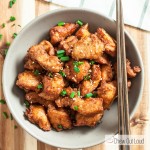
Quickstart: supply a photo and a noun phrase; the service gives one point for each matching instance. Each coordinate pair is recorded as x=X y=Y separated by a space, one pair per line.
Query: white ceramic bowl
x=33 y=33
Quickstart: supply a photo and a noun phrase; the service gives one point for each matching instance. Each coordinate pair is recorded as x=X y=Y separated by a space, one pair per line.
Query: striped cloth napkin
x=136 y=12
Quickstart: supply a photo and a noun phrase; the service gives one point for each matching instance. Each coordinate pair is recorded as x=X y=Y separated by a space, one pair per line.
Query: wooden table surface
x=18 y=139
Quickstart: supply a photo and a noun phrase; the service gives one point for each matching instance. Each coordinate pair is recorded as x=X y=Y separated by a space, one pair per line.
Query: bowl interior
x=38 y=30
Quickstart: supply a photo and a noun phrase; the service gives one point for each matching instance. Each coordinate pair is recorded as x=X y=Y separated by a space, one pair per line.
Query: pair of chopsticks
x=123 y=106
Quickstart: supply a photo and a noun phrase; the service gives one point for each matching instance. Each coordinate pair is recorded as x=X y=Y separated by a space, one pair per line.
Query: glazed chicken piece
x=88 y=106
x=132 y=72
x=59 y=118
x=83 y=31
x=48 y=47
x=106 y=72
x=59 y=33
x=28 y=81
x=110 y=44
x=90 y=85
x=68 y=44
x=90 y=121
x=49 y=63
x=52 y=87
x=72 y=74
x=36 y=114
x=89 y=47
x=108 y=92
x=33 y=97
x=102 y=59
x=64 y=102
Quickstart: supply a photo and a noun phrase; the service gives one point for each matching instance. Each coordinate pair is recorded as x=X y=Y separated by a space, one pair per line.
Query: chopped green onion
x=92 y=62
x=50 y=75
x=62 y=73
x=8 y=43
x=77 y=63
x=40 y=86
x=12 y=18
x=36 y=72
x=76 y=108
x=76 y=69
x=78 y=93
x=11 y=117
x=1 y=36
x=5 y=115
x=60 y=52
x=14 y=35
x=63 y=93
x=65 y=58
x=72 y=94
x=60 y=55
x=27 y=104
x=88 y=95
x=61 y=23
x=3 y=25
x=60 y=126
x=87 y=77
x=79 y=22
x=10 y=4
x=5 y=51
x=15 y=126
x=14 y=1
x=2 y=101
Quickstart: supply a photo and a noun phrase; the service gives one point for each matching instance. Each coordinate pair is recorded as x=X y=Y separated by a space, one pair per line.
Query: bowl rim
x=24 y=29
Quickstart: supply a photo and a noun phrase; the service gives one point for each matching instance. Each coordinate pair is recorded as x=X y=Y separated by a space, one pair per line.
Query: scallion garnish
x=8 y=43
x=79 y=22
x=60 y=52
x=62 y=73
x=1 y=36
x=10 y=4
x=14 y=35
x=5 y=115
x=2 y=101
x=88 y=95
x=27 y=104
x=12 y=18
x=40 y=86
x=76 y=69
x=11 y=117
x=76 y=108
x=87 y=77
x=50 y=75
x=5 y=51
x=63 y=93
x=60 y=126
x=36 y=72
x=78 y=93
x=92 y=62
x=15 y=126
x=3 y=25
x=77 y=63
x=65 y=58
x=72 y=94
x=61 y=23
x=60 y=55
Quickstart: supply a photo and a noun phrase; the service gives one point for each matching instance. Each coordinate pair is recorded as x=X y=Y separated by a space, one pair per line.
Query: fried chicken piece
x=59 y=118
x=132 y=72
x=64 y=102
x=32 y=65
x=89 y=47
x=90 y=121
x=74 y=76
x=110 y=44
x=52 y=87
x=33 y=97
x=106 y=72
x=88 y=86
x=59 y=33
x=28 y=81
x=89 y=106
x=36 y=115
x=68 y=44
x=49 y=63
x=83 y=31
x=48 y=47
x=108 y=92
x=102 y=59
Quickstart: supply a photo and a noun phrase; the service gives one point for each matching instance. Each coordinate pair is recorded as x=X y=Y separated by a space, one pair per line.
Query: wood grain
x=18 y=139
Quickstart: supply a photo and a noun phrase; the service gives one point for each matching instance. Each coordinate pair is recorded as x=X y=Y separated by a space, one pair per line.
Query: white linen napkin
x=136 y=12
